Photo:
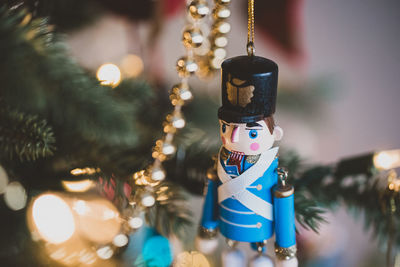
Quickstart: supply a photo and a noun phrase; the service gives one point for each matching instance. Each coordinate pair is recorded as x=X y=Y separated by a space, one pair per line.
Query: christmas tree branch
x=171 y=214
x=24 y=136
x=38 y=76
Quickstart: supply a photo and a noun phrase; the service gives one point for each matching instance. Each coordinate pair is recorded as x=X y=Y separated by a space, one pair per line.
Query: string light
x=157 y=173
x=77 y=186
x=105 y=252
x=53 y=218
x=135 y=222
x=148 y=200
x=120 y=240
x=388 y=159
x=15 y=196
x=84 y=171
x=216 y=40
x=98 y=219
x=220 y=41
x=132 y=66
x=109 y=74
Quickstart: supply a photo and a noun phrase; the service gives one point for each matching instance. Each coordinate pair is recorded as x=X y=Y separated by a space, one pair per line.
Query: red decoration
x=107 y=189
x=281 y=23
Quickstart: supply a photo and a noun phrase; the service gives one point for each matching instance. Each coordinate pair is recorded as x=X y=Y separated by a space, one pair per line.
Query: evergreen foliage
x=39 y=77
x=58 y=118
x=24 y=136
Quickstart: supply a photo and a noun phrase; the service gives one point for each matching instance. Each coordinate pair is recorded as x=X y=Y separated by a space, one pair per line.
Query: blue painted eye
x=223 y=128
x=253 y=134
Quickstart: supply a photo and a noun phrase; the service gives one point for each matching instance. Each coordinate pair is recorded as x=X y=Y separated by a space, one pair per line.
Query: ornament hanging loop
x=283 y=175
x=251 y=50
x=250 y=29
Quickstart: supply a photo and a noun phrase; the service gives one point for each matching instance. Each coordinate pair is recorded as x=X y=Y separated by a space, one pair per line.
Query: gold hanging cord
x=250 y=28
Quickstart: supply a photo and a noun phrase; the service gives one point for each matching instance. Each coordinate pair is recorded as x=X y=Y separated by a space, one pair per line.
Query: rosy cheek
x=223 y=140
x=254 y=146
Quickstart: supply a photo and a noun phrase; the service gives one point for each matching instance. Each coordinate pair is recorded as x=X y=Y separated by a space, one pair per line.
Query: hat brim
x=237 y=117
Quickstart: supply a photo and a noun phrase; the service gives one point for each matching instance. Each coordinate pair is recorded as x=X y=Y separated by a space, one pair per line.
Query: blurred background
x=338 y=87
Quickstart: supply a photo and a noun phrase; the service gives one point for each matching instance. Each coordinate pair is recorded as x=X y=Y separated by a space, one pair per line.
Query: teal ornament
x=157 y=252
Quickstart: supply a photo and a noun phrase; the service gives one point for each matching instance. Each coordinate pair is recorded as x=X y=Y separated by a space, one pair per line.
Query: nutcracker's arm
x=285 y=232
x=206 y=240
x=209 y=219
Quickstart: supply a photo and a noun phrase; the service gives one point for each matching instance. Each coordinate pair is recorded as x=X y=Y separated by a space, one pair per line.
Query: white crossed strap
x=237 y=187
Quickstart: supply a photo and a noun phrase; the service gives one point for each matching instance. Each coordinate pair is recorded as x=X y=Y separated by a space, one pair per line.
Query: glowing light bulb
x=221 y=41
x=105 y=252
x=148 y=200
x=135 y=222
x=224 y=27
x=53 y=218
x=80 y=207
x=168 y=149
x=186 y=94
x=98 y=220
x=388 y=159
x=216 y=62
x=109 y=74
x=132 y=65
x=157 y=174
x=177 y=120
x=77 y=186
x=222 y=12
x=15 y=196
x=120 y=240
x=220 y=53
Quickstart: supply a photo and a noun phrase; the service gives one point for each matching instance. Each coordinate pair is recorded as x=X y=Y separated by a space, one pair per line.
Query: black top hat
x=249 y=87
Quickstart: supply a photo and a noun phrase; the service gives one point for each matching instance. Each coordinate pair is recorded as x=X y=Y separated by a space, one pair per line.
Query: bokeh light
x=120 y=240
x=105 y=252
x=53 y=218
x=74 y=252
x=132 y=66
x=77 y=186
x=15 y=196
x=135 y=222
x=148 y=200
x=98 y=220
x=388 y=159
x=3 y=180
x=109 y=74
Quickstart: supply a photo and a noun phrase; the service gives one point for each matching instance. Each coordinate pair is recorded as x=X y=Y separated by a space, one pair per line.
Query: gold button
x=258 y=225
x=259 y=187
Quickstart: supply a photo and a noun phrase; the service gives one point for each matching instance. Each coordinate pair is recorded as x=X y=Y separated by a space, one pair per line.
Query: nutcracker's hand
x=206 y=241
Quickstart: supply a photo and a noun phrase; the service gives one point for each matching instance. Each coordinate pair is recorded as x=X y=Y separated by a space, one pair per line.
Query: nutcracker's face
x=248 y=138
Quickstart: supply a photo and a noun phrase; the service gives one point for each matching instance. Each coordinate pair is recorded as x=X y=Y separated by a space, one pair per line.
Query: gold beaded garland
x=192 y=37
x=198 y=9
x=145 y=195
x=180 y=94
x=217 y=39
x=220 y=40
x=221 y=27
x=186 y=66
x=222 y=2
x=221 y=12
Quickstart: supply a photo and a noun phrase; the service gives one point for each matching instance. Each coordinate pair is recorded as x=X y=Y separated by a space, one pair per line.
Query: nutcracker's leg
x=233 y=257
x=261 y=259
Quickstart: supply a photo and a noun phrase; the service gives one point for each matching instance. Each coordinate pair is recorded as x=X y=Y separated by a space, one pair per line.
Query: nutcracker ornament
x=248 y=198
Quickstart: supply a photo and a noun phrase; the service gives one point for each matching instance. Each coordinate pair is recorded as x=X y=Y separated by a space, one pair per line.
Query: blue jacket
x=234 y=220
